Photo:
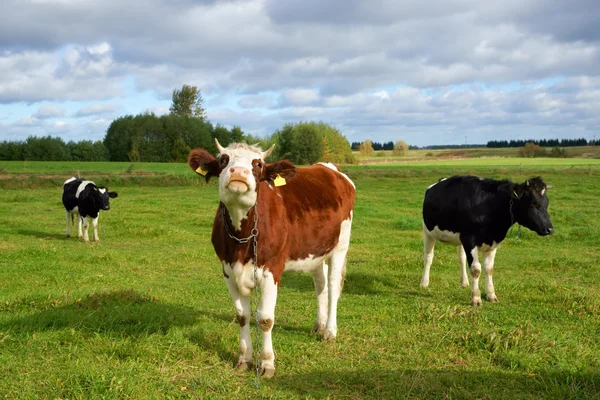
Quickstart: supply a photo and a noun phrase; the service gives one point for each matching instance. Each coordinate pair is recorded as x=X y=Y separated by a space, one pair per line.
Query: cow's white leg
x=266 y=317
x=86 y=225
x=79 y=223
x=242 y=312
x=462 y=260
x=428 y=245
x=68 y=233
x=488 y=264
x=337 y=272
x=475 y=273
x=336 y=275
x=95 y=225
x=320 y=280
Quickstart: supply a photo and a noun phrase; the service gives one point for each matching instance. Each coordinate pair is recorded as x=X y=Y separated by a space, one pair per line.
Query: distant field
x=145 y=313
x=386 y=156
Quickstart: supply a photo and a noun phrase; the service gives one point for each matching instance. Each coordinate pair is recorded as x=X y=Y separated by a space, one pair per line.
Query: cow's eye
x=259 y=164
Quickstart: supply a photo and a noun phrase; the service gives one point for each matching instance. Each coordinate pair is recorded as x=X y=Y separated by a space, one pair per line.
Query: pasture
x=145 y=313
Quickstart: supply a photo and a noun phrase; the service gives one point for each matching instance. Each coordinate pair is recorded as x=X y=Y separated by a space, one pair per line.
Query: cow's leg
x=266 y=318
x=337 y=270
x=242 y=312
x=488 y=264
x=68 y=233
x=79 y=223
x=320 y=280
x=86 y=225
x=95 y=225
x=428 y=245
x=462 y=260
x=471 y=252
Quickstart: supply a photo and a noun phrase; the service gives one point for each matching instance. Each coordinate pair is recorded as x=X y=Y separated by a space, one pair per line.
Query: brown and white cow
x=303 y=218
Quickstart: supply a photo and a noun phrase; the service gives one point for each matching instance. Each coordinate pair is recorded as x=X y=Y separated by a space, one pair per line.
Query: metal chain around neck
x=253 y=232
x=253 y=235
x=512 y=219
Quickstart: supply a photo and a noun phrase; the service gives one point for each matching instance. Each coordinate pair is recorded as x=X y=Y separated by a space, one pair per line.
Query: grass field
x=145 y=313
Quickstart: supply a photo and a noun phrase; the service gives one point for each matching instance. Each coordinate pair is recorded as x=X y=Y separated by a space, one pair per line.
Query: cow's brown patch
x=241 y=320
x=266 y=324
x=475 y=273
x=296 y=220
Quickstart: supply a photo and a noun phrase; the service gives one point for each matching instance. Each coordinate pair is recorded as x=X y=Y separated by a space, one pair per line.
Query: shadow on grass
x=356 y=283
x=123 y=312
x=45 y=235
x=434 y=384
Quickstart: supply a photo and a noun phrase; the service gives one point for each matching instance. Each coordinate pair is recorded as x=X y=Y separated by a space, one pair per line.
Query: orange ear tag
x=201 y=171
x=279 y=181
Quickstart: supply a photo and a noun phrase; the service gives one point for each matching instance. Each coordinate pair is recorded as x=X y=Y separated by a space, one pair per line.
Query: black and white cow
x=474 y=213
x=85 y=199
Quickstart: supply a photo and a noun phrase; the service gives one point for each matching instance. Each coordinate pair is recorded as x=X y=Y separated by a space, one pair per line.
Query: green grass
x=145 y=313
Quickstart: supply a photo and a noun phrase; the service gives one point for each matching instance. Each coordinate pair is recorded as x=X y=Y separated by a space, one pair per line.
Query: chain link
x=512 y=219
x=254 y=237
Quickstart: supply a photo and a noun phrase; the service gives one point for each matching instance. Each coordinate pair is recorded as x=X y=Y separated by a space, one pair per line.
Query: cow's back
x=462 y=203
x=316 y=202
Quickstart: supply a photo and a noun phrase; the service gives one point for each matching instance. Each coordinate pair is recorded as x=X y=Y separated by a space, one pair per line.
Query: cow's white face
x=237 y=181
x=241 y=168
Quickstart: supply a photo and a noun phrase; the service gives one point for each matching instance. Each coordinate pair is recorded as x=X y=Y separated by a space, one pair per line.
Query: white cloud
x=394 y=68
x=49 y=111
x=98 y=109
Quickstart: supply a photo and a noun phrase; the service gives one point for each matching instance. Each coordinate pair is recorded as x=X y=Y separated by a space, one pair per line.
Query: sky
x=426 y=72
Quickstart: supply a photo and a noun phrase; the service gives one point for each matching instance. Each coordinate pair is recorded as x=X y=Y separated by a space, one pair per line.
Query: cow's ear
x=283 y=168
x=204 y=163
x=113 y=194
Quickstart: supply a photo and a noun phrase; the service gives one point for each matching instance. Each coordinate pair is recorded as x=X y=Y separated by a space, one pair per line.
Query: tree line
x=541 y=143
x=376 y=146
x=169 y=138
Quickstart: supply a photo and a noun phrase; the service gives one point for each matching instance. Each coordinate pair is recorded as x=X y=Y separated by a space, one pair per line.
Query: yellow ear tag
x=516 y=195
x=201 y=171
x=279 y=181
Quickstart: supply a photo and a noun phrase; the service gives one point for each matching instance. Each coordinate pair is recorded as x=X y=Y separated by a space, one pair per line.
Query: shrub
x=400 y=148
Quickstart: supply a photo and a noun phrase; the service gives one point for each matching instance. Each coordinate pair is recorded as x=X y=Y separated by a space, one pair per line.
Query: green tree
x=307 y=144
x=12 y=151
x=237 y=135
x=46 y=148
x=188 y=101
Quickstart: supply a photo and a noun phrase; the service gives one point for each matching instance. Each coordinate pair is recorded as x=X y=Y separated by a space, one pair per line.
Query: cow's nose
x=239 y=170
x=549 y=230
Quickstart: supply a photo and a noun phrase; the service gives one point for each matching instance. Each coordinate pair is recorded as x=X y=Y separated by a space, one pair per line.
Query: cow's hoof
x=424 y=285
x=328 y=336
x=318 y=329
x=476 y=301
x=68 y=235
x=242 y=365
x=464 y=284
x=492 y=298
x=80 y=236
x=266 y=372
x=97 y=240
x=86 y=240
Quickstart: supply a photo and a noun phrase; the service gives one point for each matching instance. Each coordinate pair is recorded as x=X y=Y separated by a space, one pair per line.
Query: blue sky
x=427 y=72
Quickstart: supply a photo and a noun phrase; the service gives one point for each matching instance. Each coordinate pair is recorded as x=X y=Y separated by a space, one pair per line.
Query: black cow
x=85 y=199
x=474 y=213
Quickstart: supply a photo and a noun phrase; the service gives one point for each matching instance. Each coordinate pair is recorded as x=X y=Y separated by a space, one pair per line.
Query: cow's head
x=101 y=196
x=239 y=167
x=530 y=206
